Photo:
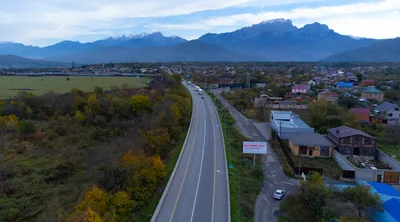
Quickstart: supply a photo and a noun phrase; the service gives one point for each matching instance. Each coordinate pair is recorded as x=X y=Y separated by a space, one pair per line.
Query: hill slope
x=381 y=51
x=12 y=61
x=195 y=50
x=70 y=47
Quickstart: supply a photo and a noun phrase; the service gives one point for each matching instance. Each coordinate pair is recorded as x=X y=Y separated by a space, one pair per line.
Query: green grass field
x=11 y=85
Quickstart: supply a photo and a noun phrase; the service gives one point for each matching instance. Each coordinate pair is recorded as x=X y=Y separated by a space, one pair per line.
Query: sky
x=45 y=22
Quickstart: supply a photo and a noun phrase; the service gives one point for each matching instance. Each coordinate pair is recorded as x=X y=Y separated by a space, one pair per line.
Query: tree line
x=59 y=158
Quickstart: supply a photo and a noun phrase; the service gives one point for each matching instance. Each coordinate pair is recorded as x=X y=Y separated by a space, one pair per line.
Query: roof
x=344 y=131
x=360 y=110
x=281 y=115
x=309 y=139
x=301 y=86
x=327 y=92
x=386 y=106
x=371 y=90
x=345 y=84
x=392 y=206
x=368 y=81
x=287 y=119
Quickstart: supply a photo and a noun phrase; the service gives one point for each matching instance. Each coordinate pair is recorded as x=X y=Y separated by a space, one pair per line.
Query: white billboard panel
x=255 y=147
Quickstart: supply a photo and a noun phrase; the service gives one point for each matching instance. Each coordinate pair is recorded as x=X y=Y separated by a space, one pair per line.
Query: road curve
x=198 y=188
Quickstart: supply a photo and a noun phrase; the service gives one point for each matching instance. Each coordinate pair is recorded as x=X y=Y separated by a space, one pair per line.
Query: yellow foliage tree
x=5 y=123
x=141 y=104
x=96 y=199
x=80 y=116
x=122 y=203
x=144 y=174
x=156 y=140
x=91 y=216
x=93 y=103
x=175 y=111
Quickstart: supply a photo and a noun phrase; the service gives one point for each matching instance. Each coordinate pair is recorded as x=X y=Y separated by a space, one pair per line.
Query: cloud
x=36 y=21
x=377 y=19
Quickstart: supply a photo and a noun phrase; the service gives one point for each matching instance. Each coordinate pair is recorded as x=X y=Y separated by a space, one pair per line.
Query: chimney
x=337 y=131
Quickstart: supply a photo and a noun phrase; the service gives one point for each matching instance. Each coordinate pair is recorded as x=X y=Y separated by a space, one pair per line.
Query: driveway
x=274 y=177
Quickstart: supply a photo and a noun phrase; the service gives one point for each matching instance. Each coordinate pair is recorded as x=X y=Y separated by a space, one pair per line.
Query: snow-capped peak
x=279 y=20
x=356 y=37
x=137 y=36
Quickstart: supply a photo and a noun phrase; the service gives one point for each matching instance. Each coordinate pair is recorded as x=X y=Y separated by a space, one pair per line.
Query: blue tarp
x=385 y=189
x=392 y=206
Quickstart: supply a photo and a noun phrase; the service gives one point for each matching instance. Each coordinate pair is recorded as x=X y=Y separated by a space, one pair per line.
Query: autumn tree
x=144 y=174
x=93 y=103
x=360 y=197
x=156 y=140
x=141 y=104
x=122 y=206
x=96 y=199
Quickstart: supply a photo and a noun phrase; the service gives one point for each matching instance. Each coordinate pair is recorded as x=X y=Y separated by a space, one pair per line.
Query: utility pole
x=248 y=80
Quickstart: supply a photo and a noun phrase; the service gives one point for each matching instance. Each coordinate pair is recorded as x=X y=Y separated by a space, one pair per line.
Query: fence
x=262 y=102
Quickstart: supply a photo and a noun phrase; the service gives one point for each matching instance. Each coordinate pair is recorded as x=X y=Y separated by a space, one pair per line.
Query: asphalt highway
x=198 y=190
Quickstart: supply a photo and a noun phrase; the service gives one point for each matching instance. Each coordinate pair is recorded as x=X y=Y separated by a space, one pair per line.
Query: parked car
x=279 y=193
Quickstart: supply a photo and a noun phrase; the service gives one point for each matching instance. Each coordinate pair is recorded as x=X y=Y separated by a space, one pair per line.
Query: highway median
x=245 y=181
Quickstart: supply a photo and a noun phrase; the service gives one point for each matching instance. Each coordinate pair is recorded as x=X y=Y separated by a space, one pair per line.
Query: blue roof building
x=344 y=85
x=389 y=197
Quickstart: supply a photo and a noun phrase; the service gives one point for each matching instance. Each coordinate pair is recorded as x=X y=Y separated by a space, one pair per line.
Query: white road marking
x=201 y=163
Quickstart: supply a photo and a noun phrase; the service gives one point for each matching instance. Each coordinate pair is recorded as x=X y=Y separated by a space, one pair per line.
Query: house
x=389 y=111
x=300 y=88
x=328 y=96
x=315 y=81
x=260 y=85
x=311 y=82
x=286 y=124
x=311 y=144
x=344 y=86
x=278 y=79
x=378 y=120
x=372 y=93
x=352 y=79
x=349 y=141
x=367 y=82
x=361 y=114
x=225 y=81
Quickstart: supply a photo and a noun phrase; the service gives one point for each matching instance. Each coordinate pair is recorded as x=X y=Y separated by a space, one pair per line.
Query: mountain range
x=273 y=40
x=13 y=61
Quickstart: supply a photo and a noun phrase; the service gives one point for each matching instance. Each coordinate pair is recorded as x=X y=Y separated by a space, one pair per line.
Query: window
x=346 y=140
x=396 y=109
x=357 y=139
x=390 y=114
x=367 y=141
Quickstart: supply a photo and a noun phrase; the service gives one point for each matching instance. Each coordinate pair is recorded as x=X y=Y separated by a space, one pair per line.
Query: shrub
x=26 y=127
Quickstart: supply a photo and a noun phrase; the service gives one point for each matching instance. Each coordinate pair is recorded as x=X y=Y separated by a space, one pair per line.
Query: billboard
x=255 y=147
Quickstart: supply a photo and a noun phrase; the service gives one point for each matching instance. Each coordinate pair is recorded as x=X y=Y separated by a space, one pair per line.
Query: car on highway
x=279 y=193
x=202 y=97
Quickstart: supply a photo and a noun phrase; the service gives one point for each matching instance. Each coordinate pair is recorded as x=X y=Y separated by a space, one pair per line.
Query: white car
x=279 y=194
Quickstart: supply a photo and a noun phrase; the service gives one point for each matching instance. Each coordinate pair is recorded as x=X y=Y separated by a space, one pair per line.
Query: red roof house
x=362 y=114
